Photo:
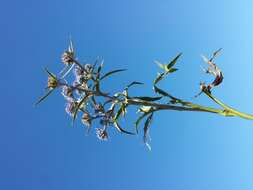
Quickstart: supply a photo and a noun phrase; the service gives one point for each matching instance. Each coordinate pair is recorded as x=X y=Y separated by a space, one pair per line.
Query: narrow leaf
x=146 y=129
x=121 y=109
x=139 y=120
x=71 y=47
x=174 y=61
x=44 y=97
x=159 y=77
x=162 y=66
x=100 y=66
x=132 y=84
x=162 y=92
x=112 y=72
x=215 y=54
x=172 y=70
x=78 y=106
x=146 y=98
x=51 y=74
x=117 y=126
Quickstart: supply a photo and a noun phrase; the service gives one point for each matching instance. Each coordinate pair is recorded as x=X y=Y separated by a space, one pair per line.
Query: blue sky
x=39 y=149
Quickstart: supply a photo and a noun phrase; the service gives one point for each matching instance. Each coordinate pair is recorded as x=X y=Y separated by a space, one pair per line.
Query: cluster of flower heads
x=84 y=95
x=80 y=97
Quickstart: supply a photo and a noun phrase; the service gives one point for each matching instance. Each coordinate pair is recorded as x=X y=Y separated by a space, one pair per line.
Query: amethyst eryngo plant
x=84 y=96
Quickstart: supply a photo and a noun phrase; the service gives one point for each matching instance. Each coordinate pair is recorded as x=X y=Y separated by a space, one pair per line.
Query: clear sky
x=198 y=151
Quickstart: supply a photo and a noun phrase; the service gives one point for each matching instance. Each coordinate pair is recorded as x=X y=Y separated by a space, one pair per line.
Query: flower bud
x=71 y=108
x=86 y=119
x=67 y=57
x=101 y=134
x=52 y=82
x=99 y=108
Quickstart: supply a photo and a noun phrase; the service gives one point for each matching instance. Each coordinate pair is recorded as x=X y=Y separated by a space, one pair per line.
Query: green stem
x=193 y=107
x=229 y=109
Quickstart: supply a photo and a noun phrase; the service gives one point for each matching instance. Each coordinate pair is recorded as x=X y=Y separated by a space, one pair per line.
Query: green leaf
x=97 y=80
x=146 y=98
x=122 y=109
x=125 y=92
x=173 y=62
x=84 y=99
x=146 y=129
x=117 y=126
x=112 y=72
x=139 y=120
x=44 y=97
x=133 y=83
x=162 y=92
x=159 y=77
x=215 y=54
x=51 y=74
x=172 y=70
x=100 y=67
x=162 y=66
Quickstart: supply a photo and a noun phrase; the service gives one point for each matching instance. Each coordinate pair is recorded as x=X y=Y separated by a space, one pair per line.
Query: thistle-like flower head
x=102 y=134
x=71 y=107
x=86 y=119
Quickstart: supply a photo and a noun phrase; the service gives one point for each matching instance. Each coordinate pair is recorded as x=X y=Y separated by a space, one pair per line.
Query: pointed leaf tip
x=49 y=73
x=43 y=97
x=112 y=72
x=174 y=61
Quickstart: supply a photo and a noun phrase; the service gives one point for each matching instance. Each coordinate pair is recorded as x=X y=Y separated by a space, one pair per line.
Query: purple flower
x=86 y=119
x=88 y=68
x=67 y=92
x=71 y=108
x=78 y=71
x=99 y=108
x=67 y=57
x=101 y=134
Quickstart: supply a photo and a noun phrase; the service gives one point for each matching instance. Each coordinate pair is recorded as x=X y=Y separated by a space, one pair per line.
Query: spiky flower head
x=86 y=119
x=101 y=134
x=67 y=93
x=71 y=108
x=88 y=68
x=67 y=57
x=99 y=108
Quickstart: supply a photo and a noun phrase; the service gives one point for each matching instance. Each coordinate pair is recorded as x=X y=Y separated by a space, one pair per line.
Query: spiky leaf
x=44 y=97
